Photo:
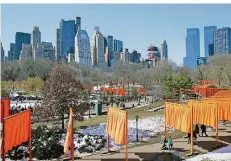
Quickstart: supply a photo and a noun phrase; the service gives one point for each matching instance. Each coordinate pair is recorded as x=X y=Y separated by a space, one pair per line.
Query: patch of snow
x=212 y=157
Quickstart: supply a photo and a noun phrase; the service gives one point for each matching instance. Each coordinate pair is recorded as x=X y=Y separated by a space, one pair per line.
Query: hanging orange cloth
x=224 y=107
x=5 y=108
x=204 y=112
x=178 y=116
x=17 y=129
x=117 y=125
x=223 y=93
x=69 y=139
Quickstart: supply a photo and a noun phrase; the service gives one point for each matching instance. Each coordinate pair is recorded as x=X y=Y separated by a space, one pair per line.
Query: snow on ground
x=212 y=157
x=147 y=127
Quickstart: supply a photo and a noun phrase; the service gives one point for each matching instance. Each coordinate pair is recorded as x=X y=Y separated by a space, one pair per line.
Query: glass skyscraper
x=208 y=38
x=20 y=38
x=192 y=48
x=222 y=41
x=67 y=37
x=118 y=45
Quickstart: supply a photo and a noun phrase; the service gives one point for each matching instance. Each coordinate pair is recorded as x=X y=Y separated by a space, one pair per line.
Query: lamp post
x=137 y=138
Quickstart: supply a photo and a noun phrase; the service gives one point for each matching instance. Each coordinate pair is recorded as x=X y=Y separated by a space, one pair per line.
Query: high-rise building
x=57 y=51
x=118 y=45
x=20 y=38
x=78 y=24
x=67 y=38
x=26 y=52
x=125 y=55
x=192 y=48
x=211 y=49
x=97 y=49
x=135 y=56
x=222 y=41
x=153 y=52
x=82 y=48
x=35 y=37
x=12 y=50
x=110 y=52
x=2 y=53
x=164 y=50
x=47 y=51
x=208 y=38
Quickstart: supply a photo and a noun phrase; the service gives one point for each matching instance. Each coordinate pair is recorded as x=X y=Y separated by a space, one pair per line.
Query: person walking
x=163 y=141
x=170 y=143
x=197 y=130
x=203 y=130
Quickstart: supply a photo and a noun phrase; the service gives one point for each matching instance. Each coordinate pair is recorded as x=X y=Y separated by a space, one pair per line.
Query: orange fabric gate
x=117 y=127
x=5 y=108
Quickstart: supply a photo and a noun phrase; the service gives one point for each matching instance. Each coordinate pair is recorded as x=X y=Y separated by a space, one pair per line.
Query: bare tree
x=62 y=91
x=10 y=71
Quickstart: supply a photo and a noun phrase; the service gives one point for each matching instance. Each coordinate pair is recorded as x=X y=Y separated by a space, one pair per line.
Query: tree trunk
x=63 y=123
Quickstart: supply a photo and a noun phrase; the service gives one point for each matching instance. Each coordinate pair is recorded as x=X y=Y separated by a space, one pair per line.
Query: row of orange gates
x=206 y=111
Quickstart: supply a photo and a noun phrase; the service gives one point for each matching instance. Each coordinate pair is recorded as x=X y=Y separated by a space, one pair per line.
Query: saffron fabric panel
x=5 y=108
x=178 y=116
x=17 y=129
x=224 y=107
x=117 y=125
x=204 y=112
x=69 y=140
x=223 y=93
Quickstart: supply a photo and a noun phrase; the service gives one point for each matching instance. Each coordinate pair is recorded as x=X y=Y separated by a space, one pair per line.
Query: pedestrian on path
x=163 y=141
x=170 y=143
x=197 y=130
x=203 y=130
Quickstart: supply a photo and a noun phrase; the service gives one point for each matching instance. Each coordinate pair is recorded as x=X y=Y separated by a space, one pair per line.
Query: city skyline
x=135 y=28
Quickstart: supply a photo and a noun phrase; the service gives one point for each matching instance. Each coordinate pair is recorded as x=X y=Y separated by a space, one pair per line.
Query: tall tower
x=35 y=37
x=164 y=50
x=82 y=48
x=97 y=49
x=208 y=38
x=78 y=23
x=222 y=41
x=192 y=48
x=20 y=38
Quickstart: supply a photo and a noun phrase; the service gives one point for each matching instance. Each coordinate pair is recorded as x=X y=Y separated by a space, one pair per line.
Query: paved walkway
x=180 y=147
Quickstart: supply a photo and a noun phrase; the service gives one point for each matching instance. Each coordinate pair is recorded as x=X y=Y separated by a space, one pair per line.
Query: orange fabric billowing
x=69 y=139
x=117 y=125
x=178 y=116
x=223 y=93
x=5 y=108
x=204 y=112
x=223 y=105
x=17 y=129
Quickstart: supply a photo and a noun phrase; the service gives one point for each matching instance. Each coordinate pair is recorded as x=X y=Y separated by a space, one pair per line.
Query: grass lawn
x=141 y=112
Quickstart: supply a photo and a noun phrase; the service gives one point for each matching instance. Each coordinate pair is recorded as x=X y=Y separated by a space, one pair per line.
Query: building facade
x=35 y=37
x=57 y=51
x=2 y=53
x=47 y=51
x=222 y=41
x=97 y=50
x=118 y=45
x=125 y=55
x=208 y=38
x=20 y=38
x=164 y=50
x=26 y=52
x=192 y=48
x=135 y=57
x=82 y=48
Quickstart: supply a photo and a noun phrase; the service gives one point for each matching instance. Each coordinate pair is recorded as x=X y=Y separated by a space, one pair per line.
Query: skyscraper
x=82 y=48
x=118 y=45
x=67 y=38
x=222 y=41
x=57 y=51
x=192 y=48
x=78 y=24
x=35 y=37
x=97 y=49
x=47 y=50
x=26 y=52
x=164 y=50
x=110 y=52
x=2 y=52
x=20 y=38
x=208 y=37
x=12 y=50
x=135 y=56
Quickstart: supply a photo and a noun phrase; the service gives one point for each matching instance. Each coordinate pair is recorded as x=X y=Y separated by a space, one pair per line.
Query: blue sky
x=137 y=26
